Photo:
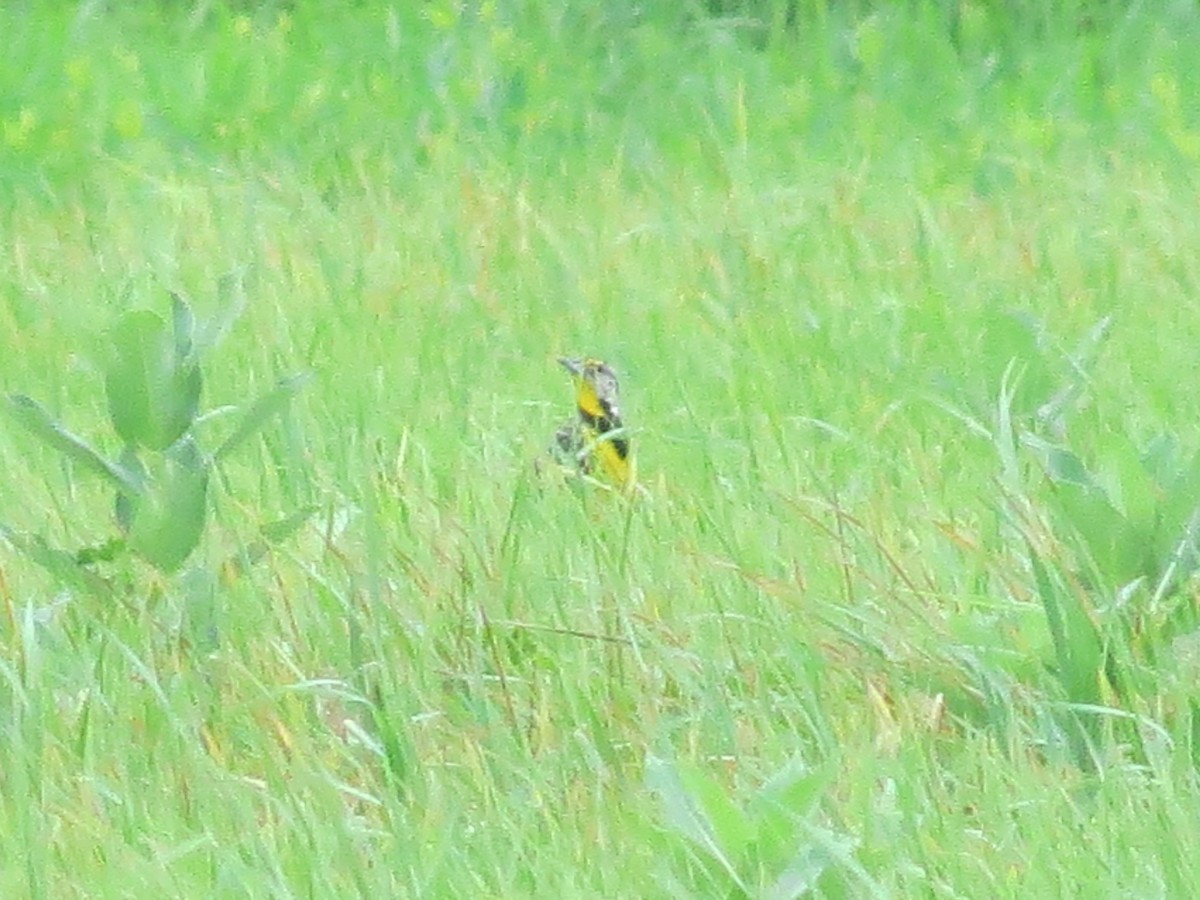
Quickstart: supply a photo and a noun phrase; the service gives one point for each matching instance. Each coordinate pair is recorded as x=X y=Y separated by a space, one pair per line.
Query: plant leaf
x=169 y=517
x=270 y=404
x=34 y=418
x=688 y=817
x=153 y=389
x=1078 y=646
x=1079 y=657
x=730 y=826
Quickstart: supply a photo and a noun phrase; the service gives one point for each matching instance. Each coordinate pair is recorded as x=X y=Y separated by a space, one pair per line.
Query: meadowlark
x=595 y=443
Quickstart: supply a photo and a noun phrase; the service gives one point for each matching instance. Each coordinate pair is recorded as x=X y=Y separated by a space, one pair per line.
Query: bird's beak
x=574 y=366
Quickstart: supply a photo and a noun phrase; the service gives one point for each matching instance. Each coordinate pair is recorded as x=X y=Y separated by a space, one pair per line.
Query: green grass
x=852 y=640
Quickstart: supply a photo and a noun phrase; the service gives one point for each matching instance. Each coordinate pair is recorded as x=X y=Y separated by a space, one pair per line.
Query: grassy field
x=905 y=304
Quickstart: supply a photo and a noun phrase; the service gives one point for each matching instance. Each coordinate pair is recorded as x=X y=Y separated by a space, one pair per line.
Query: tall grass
x=901 y=298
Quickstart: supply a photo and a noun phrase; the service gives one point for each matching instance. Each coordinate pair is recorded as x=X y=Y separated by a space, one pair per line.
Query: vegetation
x=902 y=299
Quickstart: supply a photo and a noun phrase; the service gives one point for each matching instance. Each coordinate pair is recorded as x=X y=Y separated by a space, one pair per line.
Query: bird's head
x=597 y=391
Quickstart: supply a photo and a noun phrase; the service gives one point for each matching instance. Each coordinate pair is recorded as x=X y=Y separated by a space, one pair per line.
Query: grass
x=889 y=620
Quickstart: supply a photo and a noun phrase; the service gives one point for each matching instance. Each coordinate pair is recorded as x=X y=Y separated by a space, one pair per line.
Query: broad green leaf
x=1064 y=465
x=781 y=807
x=1162 y=459
x=153 y=390
x=1061 y=465
x=168 y=518
x=1139 y=498
x=1176 y=480
x=1079 y=657
x=1114 y=546
x=1078 y=648
x=271 y=404
x=33 y=417
x=1181 y=493
x=802 y=872
x=796 y=788
x=687 y=816
x=730 y=826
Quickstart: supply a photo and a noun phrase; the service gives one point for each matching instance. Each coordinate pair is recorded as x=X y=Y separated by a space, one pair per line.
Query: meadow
x=905 y=302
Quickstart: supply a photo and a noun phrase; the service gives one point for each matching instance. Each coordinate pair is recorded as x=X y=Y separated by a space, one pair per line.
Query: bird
x=595 y=443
